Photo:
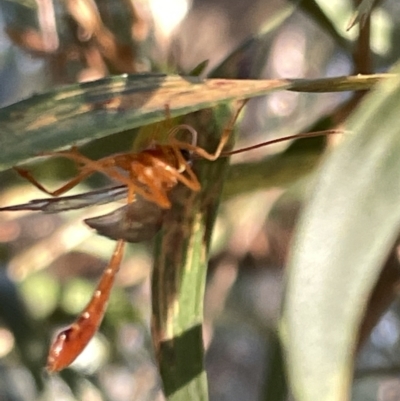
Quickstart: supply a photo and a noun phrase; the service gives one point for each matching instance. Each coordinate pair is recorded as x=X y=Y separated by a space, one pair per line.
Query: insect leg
x=90 y=167
x=69 y=185
x=104 y=166
x=107 y=167
x=191 y=181
x=73 y=154
x=71 y=341
x=224 y=139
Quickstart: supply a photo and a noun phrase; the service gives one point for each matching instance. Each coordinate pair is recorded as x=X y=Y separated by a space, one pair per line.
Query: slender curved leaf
x=179 y=273
x=344 y=237
x=83 y=112
x=363 y=11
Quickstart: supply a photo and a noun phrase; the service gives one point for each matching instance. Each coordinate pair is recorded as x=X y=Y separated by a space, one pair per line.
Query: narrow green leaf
x=83 y=112
x=78 y=113
x=179 y=276
x=337 y=84
x=344 y=237
x=364 y=9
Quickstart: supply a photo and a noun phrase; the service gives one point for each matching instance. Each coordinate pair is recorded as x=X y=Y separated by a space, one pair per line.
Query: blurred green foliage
x=50 y=44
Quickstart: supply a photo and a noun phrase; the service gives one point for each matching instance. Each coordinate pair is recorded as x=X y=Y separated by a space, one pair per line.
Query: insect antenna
x=282 y=139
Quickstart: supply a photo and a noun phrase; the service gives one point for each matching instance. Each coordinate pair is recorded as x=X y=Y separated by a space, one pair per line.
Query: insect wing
x=135 y=222
x=65 y=203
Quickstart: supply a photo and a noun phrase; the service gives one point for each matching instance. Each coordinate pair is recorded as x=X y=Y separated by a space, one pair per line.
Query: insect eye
x=187 y=155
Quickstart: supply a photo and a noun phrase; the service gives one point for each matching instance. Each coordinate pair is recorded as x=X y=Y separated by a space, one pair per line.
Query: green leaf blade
x=345 y=235
x=80 y=113
x=75 y=114
x=180 y=270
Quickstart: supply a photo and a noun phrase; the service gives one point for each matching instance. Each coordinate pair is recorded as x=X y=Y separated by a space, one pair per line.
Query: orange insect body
x=154 y=171
x=150 y=175
x=71 y=341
